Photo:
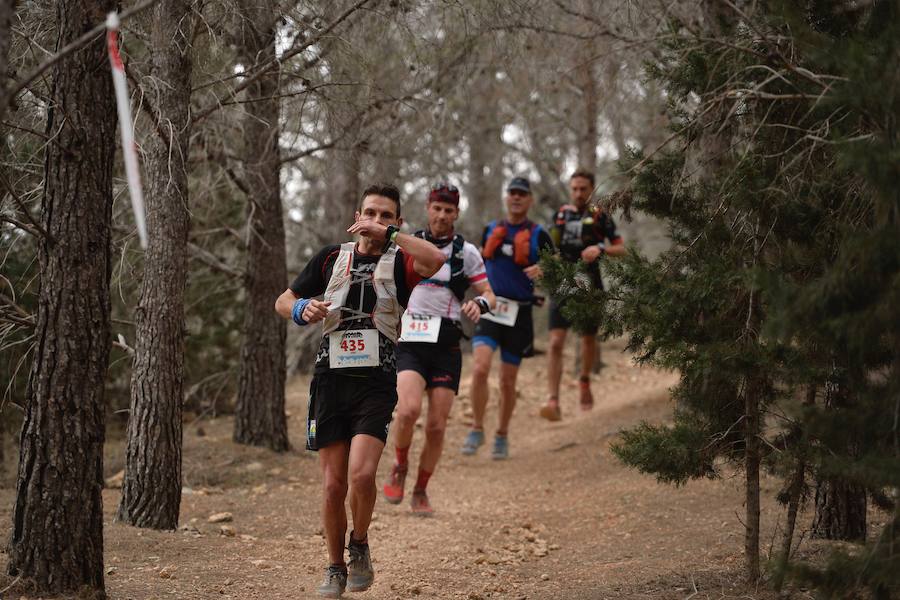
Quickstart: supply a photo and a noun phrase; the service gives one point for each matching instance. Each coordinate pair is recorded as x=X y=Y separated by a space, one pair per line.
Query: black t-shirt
x=574 y=230
x=314 y=279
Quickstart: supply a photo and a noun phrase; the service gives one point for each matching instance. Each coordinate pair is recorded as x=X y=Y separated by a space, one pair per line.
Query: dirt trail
x=560 y=519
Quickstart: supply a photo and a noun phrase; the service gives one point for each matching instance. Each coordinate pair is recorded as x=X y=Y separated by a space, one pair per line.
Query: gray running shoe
x=472 y=443
x=501 y=448
x=361 y=575
x=334 y=583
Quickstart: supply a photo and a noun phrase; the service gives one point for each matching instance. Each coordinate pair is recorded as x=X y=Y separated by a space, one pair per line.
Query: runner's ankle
x=422 y=480
x=402 y=456
x=361 y=542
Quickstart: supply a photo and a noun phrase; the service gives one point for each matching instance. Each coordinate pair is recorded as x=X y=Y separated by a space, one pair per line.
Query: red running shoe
x=420 y=505
x=393 y=489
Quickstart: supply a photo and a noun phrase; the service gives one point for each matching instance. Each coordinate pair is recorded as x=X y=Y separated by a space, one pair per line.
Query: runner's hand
x=533 y=272
x=591 y=253
x=315 y=311
x=369 y=229
x=472 y=310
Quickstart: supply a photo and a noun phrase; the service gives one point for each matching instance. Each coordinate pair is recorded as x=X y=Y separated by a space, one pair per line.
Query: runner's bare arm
x=427 y=258
x=616 y=248
x=471 y=308
x=314 y=312
x=285 y=303
x=592 y=253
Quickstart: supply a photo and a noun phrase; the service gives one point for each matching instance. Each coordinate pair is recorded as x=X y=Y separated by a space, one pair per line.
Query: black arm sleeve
x=311 y=282
x=545 y=242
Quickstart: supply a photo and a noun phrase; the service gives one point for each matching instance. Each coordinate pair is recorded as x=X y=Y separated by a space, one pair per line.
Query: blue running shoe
x=501 y=448
x=473 y=441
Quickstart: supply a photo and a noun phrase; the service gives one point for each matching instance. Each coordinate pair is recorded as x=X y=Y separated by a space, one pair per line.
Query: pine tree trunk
x=752 y=459
x=840 y=511
x=57 y=531
x=7 y=10
x=795 y=493
x=840 y=505
x=259 y=414
x=2 y=449
x=588 y=136
x=151 y=490
x=795 y=496
x=485 y=167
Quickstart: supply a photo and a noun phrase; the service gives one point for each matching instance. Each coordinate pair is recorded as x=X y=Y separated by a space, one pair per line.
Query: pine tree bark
x=7 y=10
x=485 y=167
x=794 y=497
x=840 y=505
x=57 y=530
x=151 y=490
x=752 y=459
x=588 y=136
x=259 y=413
x=840 y=511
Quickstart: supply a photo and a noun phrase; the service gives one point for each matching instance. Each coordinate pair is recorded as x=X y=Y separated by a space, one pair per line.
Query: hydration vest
x=525 y=242
x=458 y=283
x=386 y=315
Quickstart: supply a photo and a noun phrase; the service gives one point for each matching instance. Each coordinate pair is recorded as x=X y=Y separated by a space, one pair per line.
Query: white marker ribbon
x=125 y=126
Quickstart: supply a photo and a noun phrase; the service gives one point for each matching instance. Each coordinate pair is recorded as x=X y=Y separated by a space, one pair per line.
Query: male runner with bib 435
x=428 y=355
x=354 y=390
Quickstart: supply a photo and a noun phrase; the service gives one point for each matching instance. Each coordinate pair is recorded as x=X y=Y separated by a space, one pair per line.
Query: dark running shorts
x=440 y=363
x=342 y=406
x=559 y=321
x=515 y=343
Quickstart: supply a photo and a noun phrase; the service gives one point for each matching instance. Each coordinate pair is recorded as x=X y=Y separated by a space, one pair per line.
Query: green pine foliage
x=780 y=189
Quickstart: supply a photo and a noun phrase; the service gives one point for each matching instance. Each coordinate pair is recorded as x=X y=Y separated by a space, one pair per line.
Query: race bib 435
x=353 y=348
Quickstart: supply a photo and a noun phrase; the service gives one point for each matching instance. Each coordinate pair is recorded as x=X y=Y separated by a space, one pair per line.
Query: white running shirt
x=439 y=301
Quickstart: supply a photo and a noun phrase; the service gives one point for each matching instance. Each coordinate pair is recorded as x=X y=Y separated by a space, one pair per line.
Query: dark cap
x=519 y=183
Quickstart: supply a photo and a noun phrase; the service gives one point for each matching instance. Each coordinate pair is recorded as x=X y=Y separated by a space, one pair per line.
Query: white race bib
x=504 y=313
x=419 y=328
x=353 y=348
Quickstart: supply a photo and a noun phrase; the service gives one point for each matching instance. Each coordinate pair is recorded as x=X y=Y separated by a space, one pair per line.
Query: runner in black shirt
x=584 y=234
x=354 y=390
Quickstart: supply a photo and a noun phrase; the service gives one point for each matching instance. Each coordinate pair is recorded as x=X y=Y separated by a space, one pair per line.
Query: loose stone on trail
x=222 y=517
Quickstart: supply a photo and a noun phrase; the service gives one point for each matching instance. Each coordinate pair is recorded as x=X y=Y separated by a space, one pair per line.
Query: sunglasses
x=442 y=186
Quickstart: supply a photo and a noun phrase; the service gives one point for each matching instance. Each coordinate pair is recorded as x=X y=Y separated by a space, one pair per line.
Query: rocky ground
x=562 y=518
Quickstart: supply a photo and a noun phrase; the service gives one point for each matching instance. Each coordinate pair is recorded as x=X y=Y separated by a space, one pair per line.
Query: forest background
x=748 y=147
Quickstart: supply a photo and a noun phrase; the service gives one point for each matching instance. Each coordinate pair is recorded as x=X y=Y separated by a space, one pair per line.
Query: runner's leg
x=554 y=363
x=481 y=368
x=588 y=354
x=365 y=452
x=440 y=400
x=508 y=374
x=410 y=387
x=333 y=460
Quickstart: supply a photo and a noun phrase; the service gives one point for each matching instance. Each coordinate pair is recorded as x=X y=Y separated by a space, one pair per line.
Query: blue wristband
x=297 y=311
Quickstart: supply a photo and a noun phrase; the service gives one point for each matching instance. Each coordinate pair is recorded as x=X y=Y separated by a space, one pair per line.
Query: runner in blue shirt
x=511 y=249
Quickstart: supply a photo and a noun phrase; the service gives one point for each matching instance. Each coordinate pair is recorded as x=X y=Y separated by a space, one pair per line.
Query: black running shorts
x=559 y=321
x=342 y=406
x=515 y=342
x=440 y=363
